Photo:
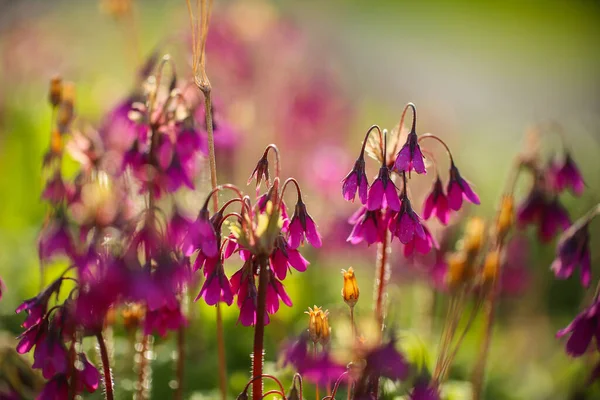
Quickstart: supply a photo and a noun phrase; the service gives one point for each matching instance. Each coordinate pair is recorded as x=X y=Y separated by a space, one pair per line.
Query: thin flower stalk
x=259 y=330
x=108 y=381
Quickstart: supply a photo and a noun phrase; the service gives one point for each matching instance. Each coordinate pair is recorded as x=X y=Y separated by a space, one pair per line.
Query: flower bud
x=55 y=92
x=56 y=142
x=474 y=233
x=350 y=291
x=318 y=325
x=491 y=267
x=505 y=216
x=459 y=272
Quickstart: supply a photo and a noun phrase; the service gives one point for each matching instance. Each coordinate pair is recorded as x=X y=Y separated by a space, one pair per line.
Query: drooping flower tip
x=410 y=156
x=437 y=203
x=459 y=189
x=302 y=227
x=565 y=174
x=383 y=192
x=369 y=226
x=356 y=180
x=572 y=251
x=582 y=330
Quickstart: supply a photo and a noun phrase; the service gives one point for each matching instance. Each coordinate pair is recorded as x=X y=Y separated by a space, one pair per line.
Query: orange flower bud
x=350 y=291
x=55 y=93
x=56 y=142
x=458 y=271
x=318 y=325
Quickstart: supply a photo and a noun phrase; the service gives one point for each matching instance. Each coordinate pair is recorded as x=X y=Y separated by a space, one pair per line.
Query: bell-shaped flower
x=303 y=227
x=410 y=156
x=437 y=203
x=459 y=189
x=356 y=180
x=383 y=193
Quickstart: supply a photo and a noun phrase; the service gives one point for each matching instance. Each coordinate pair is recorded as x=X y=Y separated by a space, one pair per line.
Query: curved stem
x=431 y=136
x=364 y=145
x=298 y=191
x=279 y=392
x=108 y=382
x=401 y=124
x=259 y=328
x=336 y=386
x=269 y=377
x=216 y=189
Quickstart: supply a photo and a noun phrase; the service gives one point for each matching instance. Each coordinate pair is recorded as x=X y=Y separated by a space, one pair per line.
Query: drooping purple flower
x=548 y=214
x=302 y=226
x=369 y=226
x=410 y=156
x=201 y=236
x=216 y=287
x=276 y=292
x=283 y=258
x=459 y=189
x=424 y=391
x=55 y=190
x=55 y=239
x=437 y=203
x=167 y=318
x=356 y=180
x=572 y=251
x=88 y=378
x=406 y=224
x=177 y=228
x=37 y=306
x=383 y=192
x=387 y=361
x=32 y=337
x=583 y=328
x=55 y=389
x=190 y=142
x=296 y=351
x=422 y=245
x=565 y=175
x=50 y=353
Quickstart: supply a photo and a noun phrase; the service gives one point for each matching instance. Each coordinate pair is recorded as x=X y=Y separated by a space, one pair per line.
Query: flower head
x=216 y=287
x=410 y=156
x=437 y=203
x=37 y=306
x=165 y=318
x=356 y=180
x=56 y=388
x=201 y=236
x=302 y=226
x=383 y=192
x=566 y=174
x=583 y=328
x=549 y=214
x=369 y=226
x=459 y=189
x=424 y=391
x=318 y=325
x=572 y=251
x=406 y=224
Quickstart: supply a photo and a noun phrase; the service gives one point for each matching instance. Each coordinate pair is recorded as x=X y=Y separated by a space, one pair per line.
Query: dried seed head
x=318 y=325
x=505 y=217
x=55 y=92
x=350 y=291
x=491 y=267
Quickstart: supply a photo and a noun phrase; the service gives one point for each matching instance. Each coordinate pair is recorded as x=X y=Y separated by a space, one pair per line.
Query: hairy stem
x=108 y=382
x=180 y=363
x=259 y=329
x=382 y=275
x=143 y=387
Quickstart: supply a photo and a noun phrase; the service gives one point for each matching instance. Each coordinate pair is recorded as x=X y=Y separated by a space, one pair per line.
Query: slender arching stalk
x=259 y=329
x=108 y=382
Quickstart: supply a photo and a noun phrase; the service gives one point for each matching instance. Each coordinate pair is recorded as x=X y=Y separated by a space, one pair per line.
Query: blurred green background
x=480 y=73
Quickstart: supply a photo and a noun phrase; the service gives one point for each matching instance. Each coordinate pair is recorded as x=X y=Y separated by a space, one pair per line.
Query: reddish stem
x=108 y=383
x=259 y=329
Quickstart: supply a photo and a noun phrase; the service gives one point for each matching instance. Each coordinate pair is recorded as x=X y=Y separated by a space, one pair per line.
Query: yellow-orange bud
x=56 y=142
x=505 y=216
x=474 y=235
x=458 y=271
x=55 y=92
x=350 y=291
x=491 y=266
x=318 y=325
x=66 y=110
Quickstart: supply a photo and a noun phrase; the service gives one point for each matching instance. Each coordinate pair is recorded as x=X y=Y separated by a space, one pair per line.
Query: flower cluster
x=385 y=207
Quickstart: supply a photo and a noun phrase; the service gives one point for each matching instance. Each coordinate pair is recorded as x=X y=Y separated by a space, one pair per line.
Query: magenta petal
x=296 y=233
x=583 y=331
x=406 y=229
x=469 y=193
x=297 y=261
x=350 y=186
x=403 y=160
x=586 y=271
x=362 y=190
x=393 y=201
x=375 y=197
x=90 y=375
x=418 y=163
x=312 y=235
x=428 y=206
x=283 y=294
x=455 y=196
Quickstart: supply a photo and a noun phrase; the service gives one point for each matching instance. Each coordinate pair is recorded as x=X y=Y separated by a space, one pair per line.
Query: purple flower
x=56 y=389
x=283 y=257
x=406 y=224
x=165 y=318
x=242 y=283
x=177 y=228
x=410 y=156
x=55 y=190
x=583 y=328
x=87 y=378
x=50 y=354
x=572 y=251
x=55 y=239
x=424 y=391
x=386 y=361
x=437 y=203
x=422 y=245
x=201 y=236
x=369 y=226
x=302 y=226
x=216 y=286
x=566 y=175
x=276 y=292
x=383 y=192
x=356 y=180
x=37 y=306
x=31 y=337
x=550 y=215
x=459 y=189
